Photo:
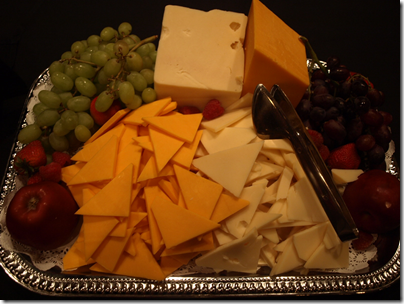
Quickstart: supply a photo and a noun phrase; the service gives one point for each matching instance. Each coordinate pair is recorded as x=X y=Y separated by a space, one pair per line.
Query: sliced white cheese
x=269 y=255
x=324 y=258
x=245 y=122
x=240 y=255
x=345 y=176
x=225 y=120
x=279 y=144
x=237 y=223
x=270 y=234
x=307 y=241
x=230 y=167
x=270 y=193
x=244 y=101
x=267 y=170
x=223 y=237
x=261 y=220
x=331 y=238
x=274 y=155
x=287 y=260
x=226 y=139
x=284 y=183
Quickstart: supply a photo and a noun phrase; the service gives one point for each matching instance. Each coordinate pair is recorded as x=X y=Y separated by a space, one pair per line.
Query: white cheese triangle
x=230 y=167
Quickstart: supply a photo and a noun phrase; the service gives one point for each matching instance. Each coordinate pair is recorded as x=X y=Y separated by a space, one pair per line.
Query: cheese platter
x=193 y=282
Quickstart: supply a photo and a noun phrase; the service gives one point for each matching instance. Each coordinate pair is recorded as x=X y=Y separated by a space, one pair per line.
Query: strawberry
x=213 y=109
x=62 y=158
x=363 y=241
x=30 y=158
x=316 y=137
x=188 y=110
x=324 y=152
x=344 y=157
x=36 y=178
x=51 y=172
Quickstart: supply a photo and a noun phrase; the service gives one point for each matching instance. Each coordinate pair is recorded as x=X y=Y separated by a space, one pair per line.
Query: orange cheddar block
x=226 y=206
x=274 y=54
x=112 y=122
x=178 y=225
x=147 y=110
x=114 y=199
x=183 y=127
x=200 y=194
x=164 y=146
x=101 y=166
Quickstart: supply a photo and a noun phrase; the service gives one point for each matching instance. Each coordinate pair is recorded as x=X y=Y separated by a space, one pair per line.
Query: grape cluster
x=114 y=65
x=344 y=107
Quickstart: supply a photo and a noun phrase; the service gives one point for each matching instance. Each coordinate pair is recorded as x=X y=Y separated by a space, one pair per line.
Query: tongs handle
x=275 y=117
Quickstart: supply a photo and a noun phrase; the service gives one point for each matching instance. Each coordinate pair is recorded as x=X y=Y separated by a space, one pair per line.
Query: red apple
x=374 y=201
x=101 y=118
x=42 y=216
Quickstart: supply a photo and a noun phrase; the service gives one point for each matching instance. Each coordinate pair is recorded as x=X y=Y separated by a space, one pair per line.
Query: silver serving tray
x=377 y=276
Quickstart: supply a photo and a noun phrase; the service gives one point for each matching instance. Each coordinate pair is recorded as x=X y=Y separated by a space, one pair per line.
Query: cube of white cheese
x=200 y=56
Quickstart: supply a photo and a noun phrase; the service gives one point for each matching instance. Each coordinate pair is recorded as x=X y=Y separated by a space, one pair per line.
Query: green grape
x=135 y=103
x=126 y=92
x=102 y=77
x=50 y=99
x=70 y=119
x=153 y=56
x=62 y=81
x=102 y=45
x=84 y=70
x=107 y=34
x=46 y=145
x=86 y=120
x=109 y=48
x=79 y=103
x=65 y=96
x=134 y=61
x=144 y=50
x=82 y=133
x=121 y=48
x=93 y=40
x=29 y=133
x=100 y=87
x=148 y=74
x=103 y=102
x=39 y=108
x=47 y=118
x=137 y=80
x=84 y=42
x=59 y=143
x=77 y=48
x=56 y=66
x=134 y=38
x=149 y=95
x=112 y=67
x=148 y=63
x=124 y=29
x=92 y=49
x=67 y=55
x=69 y=71
x=152 y=46
x=59 y=129
x=85 y=56
x=85 y=86
x=100 y=58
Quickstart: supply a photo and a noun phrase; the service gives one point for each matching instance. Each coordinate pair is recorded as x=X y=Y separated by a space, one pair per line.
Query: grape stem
x=144 y=41
x=313 y=55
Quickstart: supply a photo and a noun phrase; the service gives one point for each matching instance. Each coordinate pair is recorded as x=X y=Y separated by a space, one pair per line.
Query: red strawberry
x=62 y=158
x=188 y=110
x=36 y=178
x=213 y=109
x=30 y=158
x=363 y=241
x=344 y=157
x=324 y=152
x=316 y=137
x=51 y=172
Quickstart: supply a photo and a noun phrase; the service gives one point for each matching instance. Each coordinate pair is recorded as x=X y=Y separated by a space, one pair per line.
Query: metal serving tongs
x=274 y=117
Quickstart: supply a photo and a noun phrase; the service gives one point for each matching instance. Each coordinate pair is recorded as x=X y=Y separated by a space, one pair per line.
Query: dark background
x=364 y=34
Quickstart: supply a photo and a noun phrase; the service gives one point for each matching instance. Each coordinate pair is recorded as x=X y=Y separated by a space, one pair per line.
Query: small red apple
x=101 y=118
x=374 y=201
x=42 y=215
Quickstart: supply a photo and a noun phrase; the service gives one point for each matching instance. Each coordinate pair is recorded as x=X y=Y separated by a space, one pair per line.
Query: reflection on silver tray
x=52 y=282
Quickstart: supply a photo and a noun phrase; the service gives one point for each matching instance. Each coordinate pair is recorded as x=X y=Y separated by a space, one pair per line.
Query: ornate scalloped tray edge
x=52 y=283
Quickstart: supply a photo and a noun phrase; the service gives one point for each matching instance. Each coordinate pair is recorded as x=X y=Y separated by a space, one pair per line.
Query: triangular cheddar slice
x=230 y=167
x=96 y=229
x=183 y=127
x=195 y=245
x=178 y=225
x=114 y=199
x=142 y=265
x=131 y=154
x=101 y=166
x=200 y=194
x=147 y=110
x=127 y=136
x=170 y=107
x=164 y=146
x=226 y=206
x=186 y=153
